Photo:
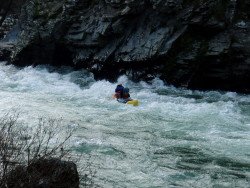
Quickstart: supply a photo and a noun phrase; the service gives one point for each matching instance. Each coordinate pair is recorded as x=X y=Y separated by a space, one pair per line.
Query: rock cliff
x=198 y=44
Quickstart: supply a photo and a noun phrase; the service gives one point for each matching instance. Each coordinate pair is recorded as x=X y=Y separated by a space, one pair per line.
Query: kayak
x=133 y=102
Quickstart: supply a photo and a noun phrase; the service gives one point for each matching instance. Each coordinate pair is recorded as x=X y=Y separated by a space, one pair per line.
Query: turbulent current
x=175 y=138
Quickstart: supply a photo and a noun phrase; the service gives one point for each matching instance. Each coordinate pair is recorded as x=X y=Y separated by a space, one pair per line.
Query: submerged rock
x=195 y=44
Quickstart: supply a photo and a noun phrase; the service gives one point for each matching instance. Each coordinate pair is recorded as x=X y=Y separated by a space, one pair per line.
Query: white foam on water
x=126 y=140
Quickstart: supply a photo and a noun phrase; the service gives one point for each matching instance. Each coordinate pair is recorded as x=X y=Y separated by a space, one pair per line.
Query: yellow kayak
x=133 y=102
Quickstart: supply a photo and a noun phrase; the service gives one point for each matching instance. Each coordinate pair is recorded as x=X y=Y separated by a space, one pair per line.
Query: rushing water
x=175 y=138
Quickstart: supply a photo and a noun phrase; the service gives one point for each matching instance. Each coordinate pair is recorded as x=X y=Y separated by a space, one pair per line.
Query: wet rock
x=5 y=51
x=44 y=173
x=196 y=44
x=219 y=45
x=9 y=12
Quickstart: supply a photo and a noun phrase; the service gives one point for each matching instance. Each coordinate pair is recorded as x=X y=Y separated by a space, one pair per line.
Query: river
x=175 y=138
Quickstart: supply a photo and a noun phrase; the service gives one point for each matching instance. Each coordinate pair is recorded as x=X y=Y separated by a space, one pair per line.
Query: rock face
x=199 y=44
x=5 y=51
x=44 y=173
x=9 y=11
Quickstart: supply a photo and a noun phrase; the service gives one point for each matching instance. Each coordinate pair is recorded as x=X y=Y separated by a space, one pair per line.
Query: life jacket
x=126 y=90
x=126 y=93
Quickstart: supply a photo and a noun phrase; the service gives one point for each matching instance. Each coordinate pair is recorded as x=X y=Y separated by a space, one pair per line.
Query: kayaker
x=119 y=91
x=126 y=95
x=122 y=94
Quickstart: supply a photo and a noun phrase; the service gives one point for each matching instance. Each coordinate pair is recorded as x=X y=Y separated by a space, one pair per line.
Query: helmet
x=119 y=88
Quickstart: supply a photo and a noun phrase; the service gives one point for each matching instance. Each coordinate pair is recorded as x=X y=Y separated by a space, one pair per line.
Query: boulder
x=44 y=173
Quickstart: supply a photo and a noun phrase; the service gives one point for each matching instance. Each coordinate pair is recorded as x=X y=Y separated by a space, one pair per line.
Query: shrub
x=22 y=146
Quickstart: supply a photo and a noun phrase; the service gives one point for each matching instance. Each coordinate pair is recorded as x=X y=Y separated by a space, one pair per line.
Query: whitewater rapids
x=175 y=138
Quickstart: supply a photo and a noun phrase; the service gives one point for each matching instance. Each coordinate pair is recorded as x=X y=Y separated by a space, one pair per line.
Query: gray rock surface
x=5 y=51
x=195 y=44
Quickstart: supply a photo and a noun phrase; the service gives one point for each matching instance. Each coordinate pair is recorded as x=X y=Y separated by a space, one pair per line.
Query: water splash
x=175 y=138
